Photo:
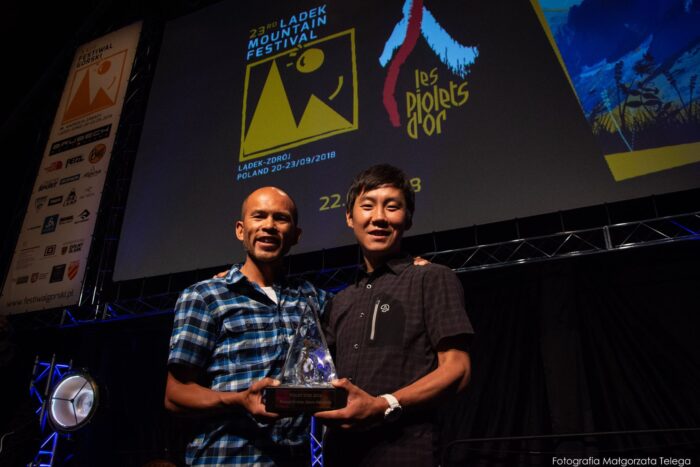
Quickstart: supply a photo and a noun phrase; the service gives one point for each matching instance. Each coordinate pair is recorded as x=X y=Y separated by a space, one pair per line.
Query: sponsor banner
x=49 y=260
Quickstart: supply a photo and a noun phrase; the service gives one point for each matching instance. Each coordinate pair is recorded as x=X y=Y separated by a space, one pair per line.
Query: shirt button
x=362 y=315
x=369 y=286
x=356 y=346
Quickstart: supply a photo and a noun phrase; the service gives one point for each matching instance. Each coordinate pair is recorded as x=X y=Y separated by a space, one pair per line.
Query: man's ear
x=409 y=223
x=297 y=235
x=348 y=219
x=239 y=230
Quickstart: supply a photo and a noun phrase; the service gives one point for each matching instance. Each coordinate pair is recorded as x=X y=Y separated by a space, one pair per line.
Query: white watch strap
x=393 y=401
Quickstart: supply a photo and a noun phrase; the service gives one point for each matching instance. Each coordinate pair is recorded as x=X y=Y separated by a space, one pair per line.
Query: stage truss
x=574 y=243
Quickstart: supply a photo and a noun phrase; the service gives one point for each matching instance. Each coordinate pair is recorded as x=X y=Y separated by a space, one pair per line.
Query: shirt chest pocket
x=387 y=323
x=250 y=341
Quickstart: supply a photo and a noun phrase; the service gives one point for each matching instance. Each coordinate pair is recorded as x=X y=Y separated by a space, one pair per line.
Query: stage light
x=73 y=401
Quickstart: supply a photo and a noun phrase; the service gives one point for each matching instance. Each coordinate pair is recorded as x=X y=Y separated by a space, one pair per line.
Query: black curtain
x=597 y=344
x=601 y=343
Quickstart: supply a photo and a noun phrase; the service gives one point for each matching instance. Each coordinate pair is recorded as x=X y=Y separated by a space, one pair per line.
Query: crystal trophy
x=307 y=373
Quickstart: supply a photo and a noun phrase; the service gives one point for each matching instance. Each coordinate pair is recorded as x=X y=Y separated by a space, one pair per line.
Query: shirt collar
x=395 y=265
x=235 y=276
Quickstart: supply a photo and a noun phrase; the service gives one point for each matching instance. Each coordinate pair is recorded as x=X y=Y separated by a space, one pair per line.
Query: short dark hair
x=377 y=176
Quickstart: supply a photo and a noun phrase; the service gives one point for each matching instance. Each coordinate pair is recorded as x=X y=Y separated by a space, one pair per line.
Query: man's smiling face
x=268 y=229
x=379 y=218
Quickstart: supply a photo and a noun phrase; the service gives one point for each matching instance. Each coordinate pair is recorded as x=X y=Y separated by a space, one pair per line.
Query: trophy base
x=303 y=399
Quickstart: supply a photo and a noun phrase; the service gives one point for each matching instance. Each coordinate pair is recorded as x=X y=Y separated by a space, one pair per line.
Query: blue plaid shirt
x=237 y=335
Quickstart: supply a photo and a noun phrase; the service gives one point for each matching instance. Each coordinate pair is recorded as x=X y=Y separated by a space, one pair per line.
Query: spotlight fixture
x=73 y=401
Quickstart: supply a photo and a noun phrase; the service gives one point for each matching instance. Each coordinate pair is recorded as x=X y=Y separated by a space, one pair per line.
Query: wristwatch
x=394 y=411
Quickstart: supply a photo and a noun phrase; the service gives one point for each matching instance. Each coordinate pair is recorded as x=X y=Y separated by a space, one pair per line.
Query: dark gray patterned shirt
x=384 y=331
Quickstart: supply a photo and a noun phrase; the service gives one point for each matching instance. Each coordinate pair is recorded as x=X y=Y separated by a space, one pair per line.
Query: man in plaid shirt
x=399 y=335
x=230 y=339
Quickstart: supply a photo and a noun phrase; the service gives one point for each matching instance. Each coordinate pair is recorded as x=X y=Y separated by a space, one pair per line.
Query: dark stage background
x=593 y=344
x=600 y=343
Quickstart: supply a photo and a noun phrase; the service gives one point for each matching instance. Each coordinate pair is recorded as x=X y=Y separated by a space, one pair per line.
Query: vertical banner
x=49 y=260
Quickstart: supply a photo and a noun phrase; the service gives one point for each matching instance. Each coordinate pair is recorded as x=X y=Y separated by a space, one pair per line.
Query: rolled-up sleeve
x=194 y=331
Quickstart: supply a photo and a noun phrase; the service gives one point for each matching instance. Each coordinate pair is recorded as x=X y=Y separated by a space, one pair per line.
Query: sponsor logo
x=38 y=276
x=66 y=220
x=74 y=160
x=22 y=280
x=48 y=184
x=70 y=179
x=72 y=198
x=55 y=200
x=50 y=224
x=72 y=247
x=57 y=273
x=56 y=165
x=92 y=172
x=87 y=193
x=97 y=153
x=50 y=250
x=73 y=269
x=83 y=216
x=40 y=202
x=80 y=140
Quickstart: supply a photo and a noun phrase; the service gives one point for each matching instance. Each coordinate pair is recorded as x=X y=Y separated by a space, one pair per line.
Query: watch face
x=392 y=414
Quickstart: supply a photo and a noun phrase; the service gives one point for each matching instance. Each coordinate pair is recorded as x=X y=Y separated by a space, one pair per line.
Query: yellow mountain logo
x=302 y=95
x=95 y=87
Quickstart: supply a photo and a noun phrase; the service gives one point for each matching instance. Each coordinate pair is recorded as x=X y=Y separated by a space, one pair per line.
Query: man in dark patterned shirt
x=230 y=338
x=399 y=335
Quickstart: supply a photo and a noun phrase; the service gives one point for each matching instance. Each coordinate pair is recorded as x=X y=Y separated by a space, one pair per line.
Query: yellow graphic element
x=95 y=87
x=337 y=90
x=548 y=32
x=273 y=127
x=626 y=165
x=310 y=61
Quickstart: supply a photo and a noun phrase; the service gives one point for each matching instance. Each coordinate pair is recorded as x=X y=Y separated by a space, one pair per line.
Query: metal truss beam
x=543 y=248
x=560 y=245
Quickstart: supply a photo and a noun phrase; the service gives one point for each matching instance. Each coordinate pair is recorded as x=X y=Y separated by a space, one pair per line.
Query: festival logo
x=96 y=85
x=323 y=103
x=427 y=104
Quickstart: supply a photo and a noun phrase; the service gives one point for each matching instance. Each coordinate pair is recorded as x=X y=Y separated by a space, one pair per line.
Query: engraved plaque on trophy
x=307 y=373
